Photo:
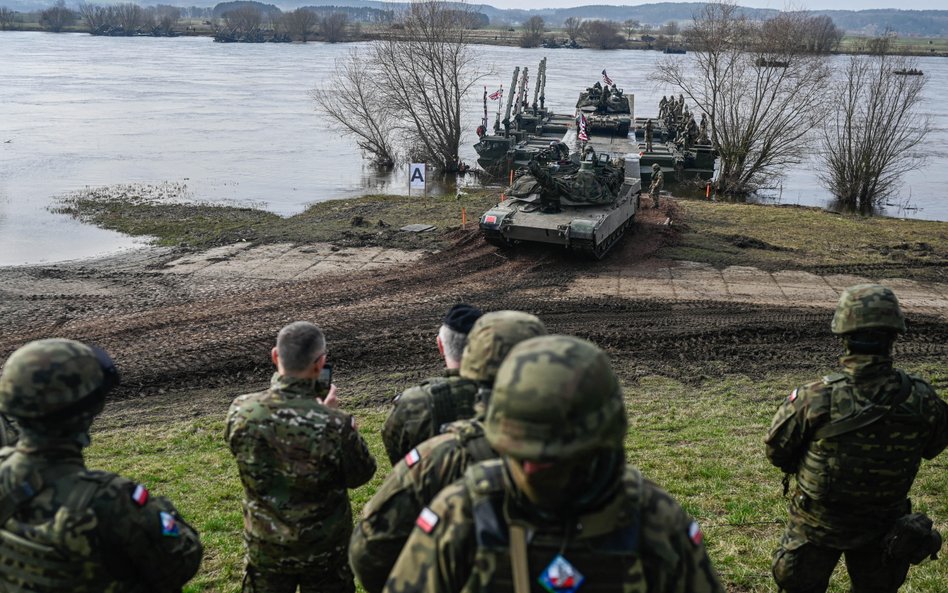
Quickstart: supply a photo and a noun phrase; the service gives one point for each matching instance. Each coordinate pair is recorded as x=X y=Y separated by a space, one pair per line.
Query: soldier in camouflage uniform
x=297 y=455
x=561 y=510
x=658 y=181
x=65 y=528
x=387 y=520
x=853 y=443
x=421 y=411
x=649 y=135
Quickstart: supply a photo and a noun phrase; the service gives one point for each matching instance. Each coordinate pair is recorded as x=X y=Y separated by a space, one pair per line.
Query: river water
x=235 y=124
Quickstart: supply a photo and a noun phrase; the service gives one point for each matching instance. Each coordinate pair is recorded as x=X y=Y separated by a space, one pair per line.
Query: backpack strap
x=868 y=415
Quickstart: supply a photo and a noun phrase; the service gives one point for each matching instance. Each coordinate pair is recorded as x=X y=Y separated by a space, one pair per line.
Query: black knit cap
x=461 y=317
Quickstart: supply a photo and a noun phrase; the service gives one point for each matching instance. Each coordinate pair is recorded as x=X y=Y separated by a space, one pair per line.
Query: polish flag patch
x=694 y=533
x=490 y=219
x=412 y=458
x=140 y=495
x=792 y=396
x=427 y=520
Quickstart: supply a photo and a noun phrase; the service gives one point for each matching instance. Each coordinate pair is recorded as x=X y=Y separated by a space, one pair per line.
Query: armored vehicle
x=607 y=110
x=521 y=122
x=583 y=205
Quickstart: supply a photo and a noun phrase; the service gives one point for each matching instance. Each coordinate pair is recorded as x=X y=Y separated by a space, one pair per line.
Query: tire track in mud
x=166 y=334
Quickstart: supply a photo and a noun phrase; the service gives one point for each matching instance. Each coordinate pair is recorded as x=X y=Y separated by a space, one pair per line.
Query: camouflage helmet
x=52 y=378
x=655 y=167
x=492 y=337
x=868 y=306
x=555 y=398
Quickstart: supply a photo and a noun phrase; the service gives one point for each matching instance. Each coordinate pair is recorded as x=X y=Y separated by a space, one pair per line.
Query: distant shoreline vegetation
x=650 y=26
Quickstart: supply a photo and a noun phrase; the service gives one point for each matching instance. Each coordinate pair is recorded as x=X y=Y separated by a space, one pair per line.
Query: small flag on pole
x=496 y=94
x=605 y=78
x=583 y=136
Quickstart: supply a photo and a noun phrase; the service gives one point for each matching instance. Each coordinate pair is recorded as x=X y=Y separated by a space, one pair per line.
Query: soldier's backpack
x=56 y=556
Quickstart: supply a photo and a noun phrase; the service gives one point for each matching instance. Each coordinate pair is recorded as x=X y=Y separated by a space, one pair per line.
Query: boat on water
x=909 y=72
x=765 y=63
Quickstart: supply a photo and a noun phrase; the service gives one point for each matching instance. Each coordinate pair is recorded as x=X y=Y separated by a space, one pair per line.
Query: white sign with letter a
x=416 y=176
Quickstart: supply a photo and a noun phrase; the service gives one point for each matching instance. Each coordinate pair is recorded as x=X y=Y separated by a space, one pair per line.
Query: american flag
x=496 y=94
x=583 y=136
x=605 y=78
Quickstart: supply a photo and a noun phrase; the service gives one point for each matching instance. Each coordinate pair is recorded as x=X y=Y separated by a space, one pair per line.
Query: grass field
x=701 y=443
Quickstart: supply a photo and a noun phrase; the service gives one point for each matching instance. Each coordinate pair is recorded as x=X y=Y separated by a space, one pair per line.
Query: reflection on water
x=236 y=124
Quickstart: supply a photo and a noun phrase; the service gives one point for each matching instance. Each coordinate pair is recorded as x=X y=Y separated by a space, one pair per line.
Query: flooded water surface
x=235 y=124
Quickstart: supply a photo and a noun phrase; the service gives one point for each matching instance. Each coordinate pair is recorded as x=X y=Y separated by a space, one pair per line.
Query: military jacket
x=852 y=481
x=421 y=411
x=8 y=431
x=296 y=458
x=640 y=540
x=387 y=520
x=114 y=537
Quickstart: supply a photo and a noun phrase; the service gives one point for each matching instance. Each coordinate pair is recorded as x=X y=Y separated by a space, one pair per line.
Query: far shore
x=511 y=37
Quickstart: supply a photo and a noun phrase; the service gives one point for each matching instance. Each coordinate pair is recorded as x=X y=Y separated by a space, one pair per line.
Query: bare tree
x=762 y=94
x=573 y=26
x=631 y=26
x=822 y=35
x=670 y=28
x=602 y=34
x=129 y=16
x=532 y=32
x=868 y=146
x=357 y=108
x=57 y=17
x=425 y=73
x=166 y=17
x=301 y=23
x=7 y=18
x=246 y=19
x=333 y=27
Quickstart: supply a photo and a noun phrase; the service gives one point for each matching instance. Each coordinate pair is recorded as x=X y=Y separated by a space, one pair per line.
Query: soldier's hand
x=331 y=400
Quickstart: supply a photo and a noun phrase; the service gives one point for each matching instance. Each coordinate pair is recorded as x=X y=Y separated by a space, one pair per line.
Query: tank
x=583 y=206
x=607 y=110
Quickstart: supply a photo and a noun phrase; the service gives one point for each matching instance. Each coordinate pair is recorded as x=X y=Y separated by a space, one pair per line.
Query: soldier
x=649 y=133
x=658 y=181
x=297 y=455
x=853 y=442
x=663 y=107
x=387 y=519
x=64 y=527
x=703 y=126
x=560 y=507
x=419 y=413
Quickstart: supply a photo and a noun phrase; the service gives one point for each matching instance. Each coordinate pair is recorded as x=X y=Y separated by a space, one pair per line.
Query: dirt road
x=178 y=323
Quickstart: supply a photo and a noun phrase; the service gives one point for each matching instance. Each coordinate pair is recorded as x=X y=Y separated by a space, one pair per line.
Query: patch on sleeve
x=793 y=396
x=427 y=520
x=140 y=495
x=169 y=526
x=353 y=422
x=694 y=533
x=412 y=458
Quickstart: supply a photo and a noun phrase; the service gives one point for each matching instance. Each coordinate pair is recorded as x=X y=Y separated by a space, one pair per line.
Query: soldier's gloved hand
x=331 y=400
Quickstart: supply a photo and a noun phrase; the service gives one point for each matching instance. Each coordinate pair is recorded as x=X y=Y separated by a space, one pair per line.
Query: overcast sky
x=812 y=5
